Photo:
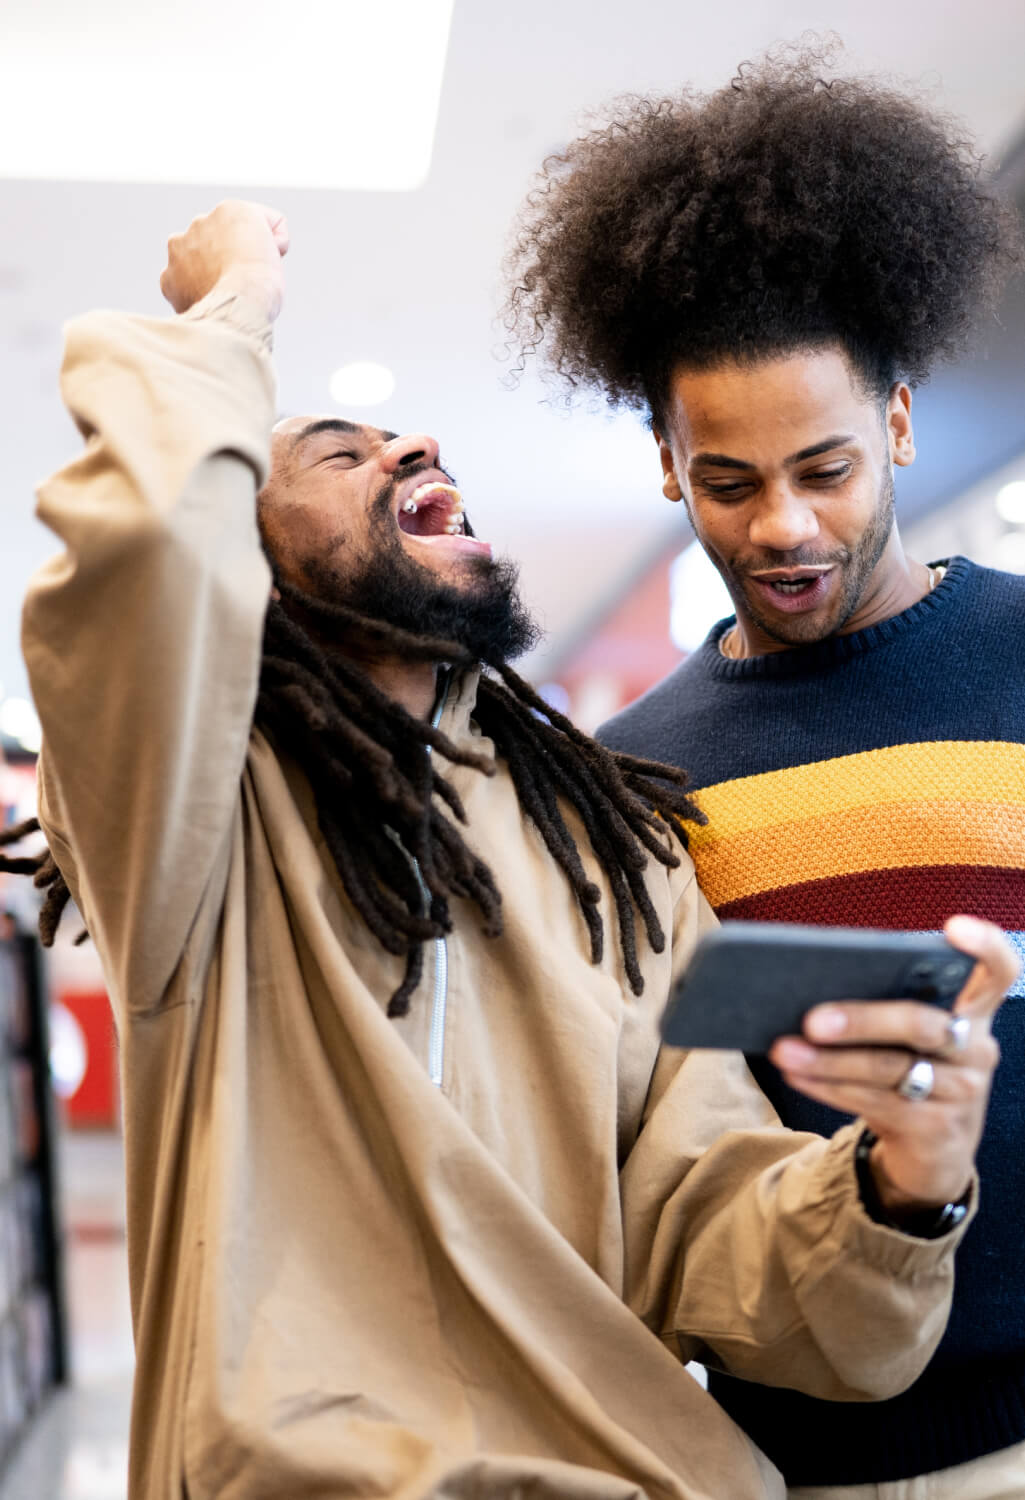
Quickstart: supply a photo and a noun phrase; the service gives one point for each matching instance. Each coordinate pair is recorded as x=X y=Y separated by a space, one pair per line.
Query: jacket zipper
x=436 y=1040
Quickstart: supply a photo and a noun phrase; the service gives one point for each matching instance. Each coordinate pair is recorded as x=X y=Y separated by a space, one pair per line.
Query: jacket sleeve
x=747 y=1245
x=143 y=637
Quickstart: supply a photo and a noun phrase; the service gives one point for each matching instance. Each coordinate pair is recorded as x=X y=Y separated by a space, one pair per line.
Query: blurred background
x=399 y=136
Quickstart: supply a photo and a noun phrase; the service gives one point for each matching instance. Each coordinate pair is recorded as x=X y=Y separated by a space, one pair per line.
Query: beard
x=483 y=613
x=855 y=564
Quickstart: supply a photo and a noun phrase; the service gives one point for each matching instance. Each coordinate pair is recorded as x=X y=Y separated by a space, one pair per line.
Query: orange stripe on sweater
x=972 y=771
x=931 y=832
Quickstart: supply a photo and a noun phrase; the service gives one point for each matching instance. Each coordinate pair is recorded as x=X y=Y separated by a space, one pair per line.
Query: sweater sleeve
x=747 y=1247
x=143 y=637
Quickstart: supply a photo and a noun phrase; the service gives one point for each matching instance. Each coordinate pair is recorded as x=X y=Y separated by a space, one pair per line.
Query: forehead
x=767 y=401
x=292 y=433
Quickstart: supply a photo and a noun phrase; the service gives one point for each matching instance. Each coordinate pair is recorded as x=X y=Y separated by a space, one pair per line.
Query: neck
x=414 y=685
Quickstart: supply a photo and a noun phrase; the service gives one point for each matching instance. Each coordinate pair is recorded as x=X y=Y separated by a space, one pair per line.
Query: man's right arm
x=143 y=638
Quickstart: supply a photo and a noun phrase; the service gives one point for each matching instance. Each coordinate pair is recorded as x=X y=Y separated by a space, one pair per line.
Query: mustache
x=410 y=471
x=799 y=557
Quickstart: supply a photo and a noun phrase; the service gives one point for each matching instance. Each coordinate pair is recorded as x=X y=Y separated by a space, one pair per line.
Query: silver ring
x=919 y=1080
x=959 y=1031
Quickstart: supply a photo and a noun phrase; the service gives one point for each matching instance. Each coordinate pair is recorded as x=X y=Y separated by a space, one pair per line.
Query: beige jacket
x=369 y=1260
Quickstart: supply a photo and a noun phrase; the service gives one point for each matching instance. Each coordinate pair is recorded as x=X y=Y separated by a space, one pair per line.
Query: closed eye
x=733 y=487
x=825 y=475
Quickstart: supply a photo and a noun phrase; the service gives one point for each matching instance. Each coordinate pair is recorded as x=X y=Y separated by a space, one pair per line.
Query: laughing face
x=785 y=466
x=358 y=516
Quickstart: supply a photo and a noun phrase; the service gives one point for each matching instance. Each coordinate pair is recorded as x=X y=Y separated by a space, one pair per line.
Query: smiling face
x=340 y=491
x=785 y=469
x=357 y=516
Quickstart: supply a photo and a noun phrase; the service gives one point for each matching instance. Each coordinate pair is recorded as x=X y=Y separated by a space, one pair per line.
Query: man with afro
x=767 y=272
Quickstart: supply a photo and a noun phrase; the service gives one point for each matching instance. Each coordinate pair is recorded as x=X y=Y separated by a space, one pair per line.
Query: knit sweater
x=878 y=780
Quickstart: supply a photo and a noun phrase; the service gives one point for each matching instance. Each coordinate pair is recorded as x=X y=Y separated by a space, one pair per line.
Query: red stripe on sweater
x=916 y=898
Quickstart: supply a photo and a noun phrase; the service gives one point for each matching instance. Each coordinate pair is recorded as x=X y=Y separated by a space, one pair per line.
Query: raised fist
x=237 y=246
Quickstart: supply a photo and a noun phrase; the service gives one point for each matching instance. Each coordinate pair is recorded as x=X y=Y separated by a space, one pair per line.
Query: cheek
x=296 y=536
x=722 y=533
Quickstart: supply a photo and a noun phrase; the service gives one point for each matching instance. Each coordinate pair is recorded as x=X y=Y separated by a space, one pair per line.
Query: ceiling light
x=341 y=94
x=361 y=384
x=1010 y=502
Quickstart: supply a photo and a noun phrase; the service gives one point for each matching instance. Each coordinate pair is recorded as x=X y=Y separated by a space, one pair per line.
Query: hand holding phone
x=853 y=1054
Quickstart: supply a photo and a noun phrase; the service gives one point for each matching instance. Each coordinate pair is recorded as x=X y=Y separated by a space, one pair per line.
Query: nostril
x=412 y=458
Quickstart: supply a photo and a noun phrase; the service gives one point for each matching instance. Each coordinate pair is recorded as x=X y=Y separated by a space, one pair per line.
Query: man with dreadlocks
x=403 y=1227
x=766 y=271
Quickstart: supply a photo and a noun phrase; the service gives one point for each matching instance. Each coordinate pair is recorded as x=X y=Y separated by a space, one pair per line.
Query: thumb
x=995 y=971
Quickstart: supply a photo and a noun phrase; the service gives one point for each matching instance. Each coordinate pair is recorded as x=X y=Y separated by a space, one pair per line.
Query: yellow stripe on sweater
x=849 y=841
x=955 y=770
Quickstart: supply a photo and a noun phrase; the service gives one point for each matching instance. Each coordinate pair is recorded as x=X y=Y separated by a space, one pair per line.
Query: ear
x=670 y=484
x=899 y=431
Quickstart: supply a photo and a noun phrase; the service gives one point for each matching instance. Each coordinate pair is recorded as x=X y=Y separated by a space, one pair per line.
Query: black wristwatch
x=927 y=1224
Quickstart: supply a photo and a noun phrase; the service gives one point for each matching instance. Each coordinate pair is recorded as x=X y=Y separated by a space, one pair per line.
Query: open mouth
x=432 y=509
x=795 y=589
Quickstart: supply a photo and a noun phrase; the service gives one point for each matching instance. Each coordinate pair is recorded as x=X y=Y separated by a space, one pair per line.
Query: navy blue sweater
x=878 y=779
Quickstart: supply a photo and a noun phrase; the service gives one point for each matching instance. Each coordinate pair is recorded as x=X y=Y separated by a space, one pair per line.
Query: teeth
x=434 y=492
x=433 y=488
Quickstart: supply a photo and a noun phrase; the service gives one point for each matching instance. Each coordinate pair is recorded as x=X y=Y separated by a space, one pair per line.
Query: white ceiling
x=410 y=279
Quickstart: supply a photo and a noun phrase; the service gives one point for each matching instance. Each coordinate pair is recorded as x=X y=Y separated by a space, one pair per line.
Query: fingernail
x=826 y=1022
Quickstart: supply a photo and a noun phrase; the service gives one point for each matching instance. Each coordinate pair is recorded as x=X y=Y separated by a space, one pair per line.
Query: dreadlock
x=45 y=876
x=395 y=831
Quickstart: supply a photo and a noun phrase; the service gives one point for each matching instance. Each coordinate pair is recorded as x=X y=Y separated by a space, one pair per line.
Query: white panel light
x=361 y=384
x=1010 y=502
x=237 y=93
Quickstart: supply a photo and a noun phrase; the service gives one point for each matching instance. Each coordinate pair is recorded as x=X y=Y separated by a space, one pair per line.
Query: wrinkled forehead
x=292 y=435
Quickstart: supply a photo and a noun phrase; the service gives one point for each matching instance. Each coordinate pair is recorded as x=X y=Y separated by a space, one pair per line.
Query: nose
x=413 y=450
x=782 y=521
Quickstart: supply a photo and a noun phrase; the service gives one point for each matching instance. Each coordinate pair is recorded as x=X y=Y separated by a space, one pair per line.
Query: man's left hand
x=854 y=1055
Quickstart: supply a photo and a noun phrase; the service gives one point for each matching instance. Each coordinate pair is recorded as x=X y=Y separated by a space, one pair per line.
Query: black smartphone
x=748 y=983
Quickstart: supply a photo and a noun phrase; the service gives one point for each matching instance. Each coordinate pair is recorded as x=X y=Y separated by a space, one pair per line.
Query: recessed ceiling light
x=341 y=94
x=1010 y=502
x=361 y=384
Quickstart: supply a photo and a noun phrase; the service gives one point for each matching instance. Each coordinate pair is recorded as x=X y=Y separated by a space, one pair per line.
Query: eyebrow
x=334 y=424
x=723 y=460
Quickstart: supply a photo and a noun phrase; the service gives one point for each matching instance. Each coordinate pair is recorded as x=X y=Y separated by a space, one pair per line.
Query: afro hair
x=787 y=210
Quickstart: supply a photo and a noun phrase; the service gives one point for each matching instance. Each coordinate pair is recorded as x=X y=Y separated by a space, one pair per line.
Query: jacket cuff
x=835 y=1186
x=244 y=314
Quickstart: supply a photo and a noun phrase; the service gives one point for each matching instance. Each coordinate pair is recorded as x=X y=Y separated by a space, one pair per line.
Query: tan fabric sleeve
x=748 y=1248
x=143 y=638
